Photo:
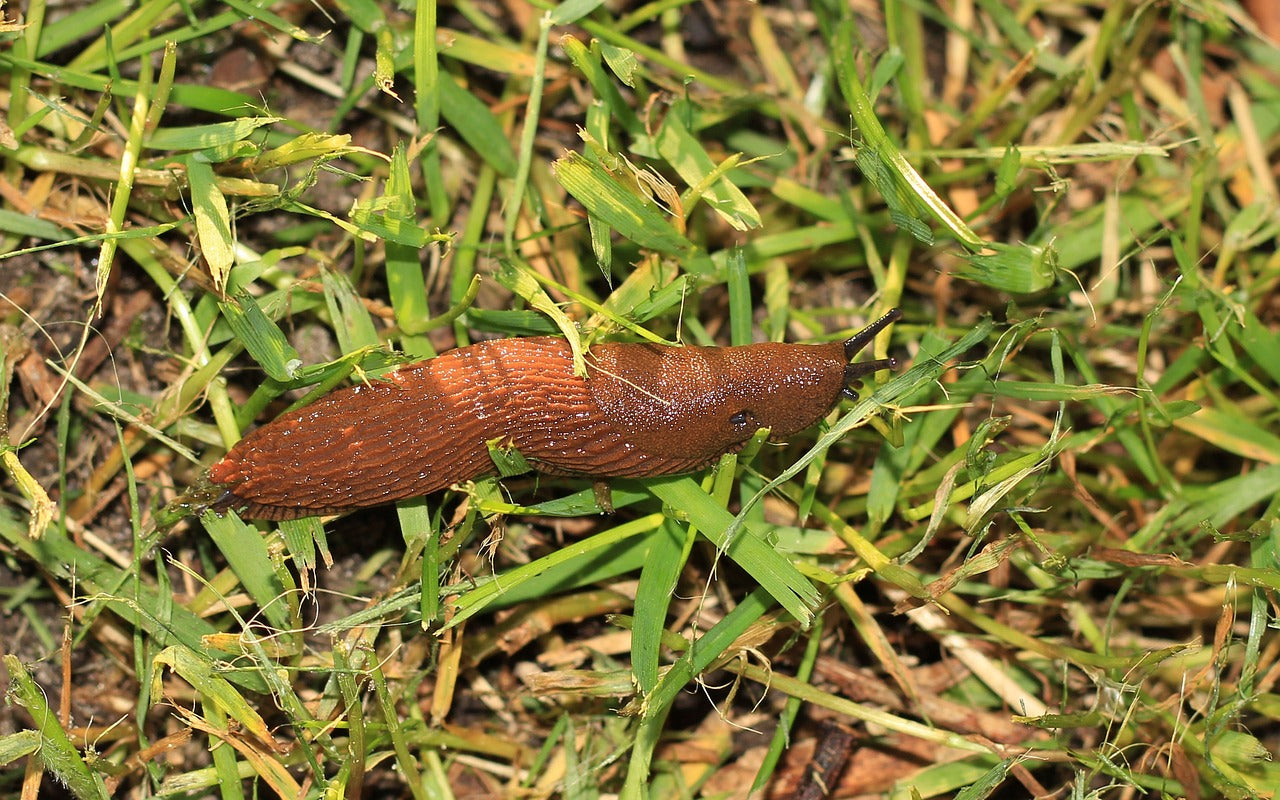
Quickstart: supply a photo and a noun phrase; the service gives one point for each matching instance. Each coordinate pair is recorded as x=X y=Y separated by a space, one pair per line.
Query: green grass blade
x=666 y=552
x=57 y=753
x=245 y=551
x=772 y=570
x=609 y=197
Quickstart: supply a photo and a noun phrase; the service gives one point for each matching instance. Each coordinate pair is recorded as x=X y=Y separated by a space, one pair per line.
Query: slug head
x=699 y=402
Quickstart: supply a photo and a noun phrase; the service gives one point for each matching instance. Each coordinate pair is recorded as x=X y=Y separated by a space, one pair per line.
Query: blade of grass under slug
x=246 y=553
x=302 y=538
x=581 y=555
x=773 y=571
x=414 y=518
x=667 y=551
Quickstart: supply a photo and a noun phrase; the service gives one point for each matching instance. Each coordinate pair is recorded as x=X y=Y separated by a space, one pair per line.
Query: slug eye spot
x=742 y=419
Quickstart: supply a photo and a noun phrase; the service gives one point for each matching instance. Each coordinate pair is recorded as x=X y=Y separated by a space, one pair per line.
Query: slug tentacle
x=642 y=410
x=854 y=344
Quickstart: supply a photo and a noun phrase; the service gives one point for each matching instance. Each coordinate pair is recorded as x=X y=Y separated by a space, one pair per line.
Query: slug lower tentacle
x=643 y=410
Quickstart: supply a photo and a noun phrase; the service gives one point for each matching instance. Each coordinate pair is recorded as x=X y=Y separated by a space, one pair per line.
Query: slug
x=643 y=410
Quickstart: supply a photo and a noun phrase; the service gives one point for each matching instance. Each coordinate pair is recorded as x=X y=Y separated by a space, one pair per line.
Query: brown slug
x=643 y=410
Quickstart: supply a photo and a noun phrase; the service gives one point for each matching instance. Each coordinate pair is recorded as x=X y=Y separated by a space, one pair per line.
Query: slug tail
x=247 y=508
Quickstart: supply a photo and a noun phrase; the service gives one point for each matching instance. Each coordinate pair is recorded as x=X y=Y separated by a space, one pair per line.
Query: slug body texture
x=642 y=410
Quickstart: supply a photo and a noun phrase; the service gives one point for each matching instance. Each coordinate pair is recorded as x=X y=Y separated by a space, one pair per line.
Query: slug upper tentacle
x=643 y=410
